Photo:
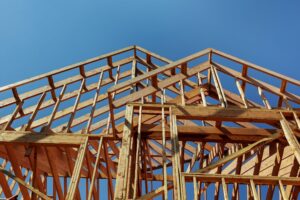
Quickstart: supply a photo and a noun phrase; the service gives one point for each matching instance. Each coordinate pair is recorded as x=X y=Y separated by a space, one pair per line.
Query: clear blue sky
x=39 y=36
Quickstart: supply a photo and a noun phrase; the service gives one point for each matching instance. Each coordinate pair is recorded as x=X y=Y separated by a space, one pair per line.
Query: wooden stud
x=290 y=137
x=225 y=192
x=76 y=172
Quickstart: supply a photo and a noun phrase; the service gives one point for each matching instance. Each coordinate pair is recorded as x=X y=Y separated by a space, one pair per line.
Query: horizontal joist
x=216 y=113
x=209 y=133
x=243 y=179
x=230 y=113
x=27 y=137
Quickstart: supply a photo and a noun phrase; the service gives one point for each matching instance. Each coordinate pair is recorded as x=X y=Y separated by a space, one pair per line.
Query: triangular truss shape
x=132 y=124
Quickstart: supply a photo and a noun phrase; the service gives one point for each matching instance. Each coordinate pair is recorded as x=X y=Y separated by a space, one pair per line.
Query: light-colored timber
x=132 y=124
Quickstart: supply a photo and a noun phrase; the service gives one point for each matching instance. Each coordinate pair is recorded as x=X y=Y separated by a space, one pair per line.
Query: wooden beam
x=242 y=179
x=24 y=184
x=120 y=188
x=77 y=169
x=289 y=135
x=27 y=137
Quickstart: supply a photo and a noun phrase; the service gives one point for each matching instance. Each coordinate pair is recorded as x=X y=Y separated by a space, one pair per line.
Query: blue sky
x=39 y=36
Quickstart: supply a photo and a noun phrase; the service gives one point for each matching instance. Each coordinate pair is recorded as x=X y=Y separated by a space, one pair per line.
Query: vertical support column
x=133 y=74
x=121 y=187
x=244 y=74
x=163 y=124
x=110 y=63
x=282 y=90
x=51 y=83
x=178 y=182
x=154 y=84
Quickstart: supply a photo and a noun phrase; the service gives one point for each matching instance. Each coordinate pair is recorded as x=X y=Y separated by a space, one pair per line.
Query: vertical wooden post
x=154 y=84
x=121 y=187
x=137 y=156
x=244 y=74
x=225 y=192
x=77 y=168
x=51 y=83
x=163 y=124
x=253 y=189
x=95 y=169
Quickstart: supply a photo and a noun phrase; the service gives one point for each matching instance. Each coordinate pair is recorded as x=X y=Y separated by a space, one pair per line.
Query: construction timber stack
x=132 y=124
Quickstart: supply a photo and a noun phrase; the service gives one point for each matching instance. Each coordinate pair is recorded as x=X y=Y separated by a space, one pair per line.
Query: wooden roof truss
x=145 y=127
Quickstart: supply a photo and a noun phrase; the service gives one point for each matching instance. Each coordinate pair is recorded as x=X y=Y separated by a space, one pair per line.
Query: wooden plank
x=219 y=87
x=76 y=172
x=137 y=156
x=201 y=90
x=290 y=137
x=225 y=192
x=108 y=171
x=94 y=174
x=242 y=179
x=264 y=99
x=282 y=191
x=163 y=122
x=229 y=114
x=25 y=137
x=253 y=190
x=242 y=94
x=120 y=188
